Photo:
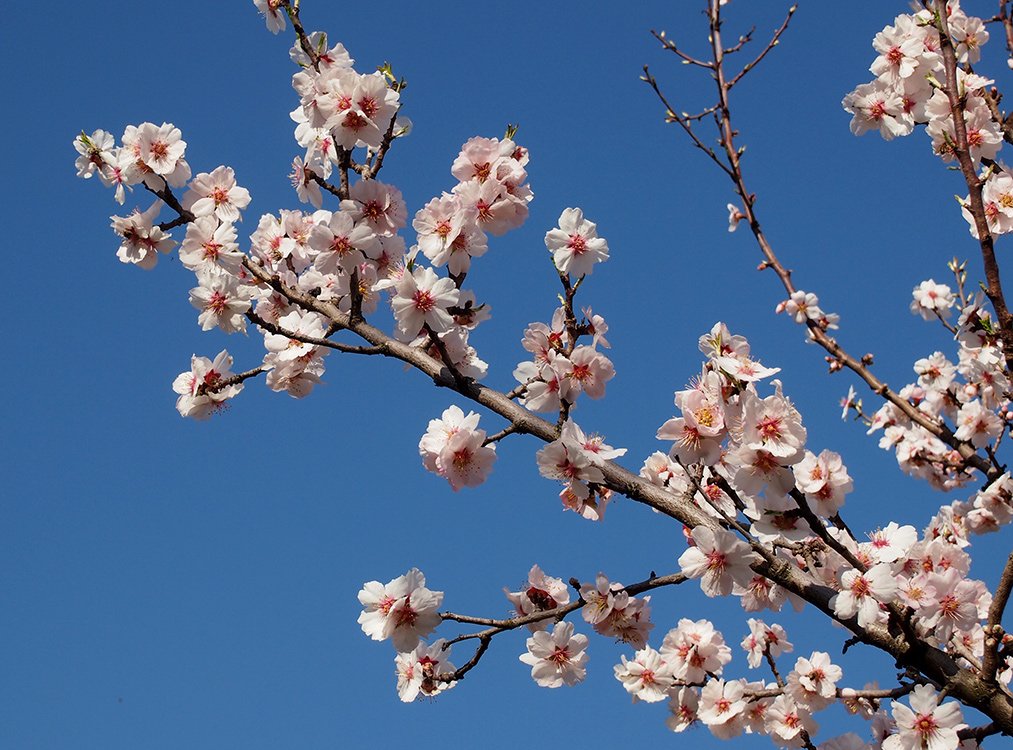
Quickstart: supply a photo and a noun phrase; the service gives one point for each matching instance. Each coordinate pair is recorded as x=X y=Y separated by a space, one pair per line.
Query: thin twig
x=774 y=41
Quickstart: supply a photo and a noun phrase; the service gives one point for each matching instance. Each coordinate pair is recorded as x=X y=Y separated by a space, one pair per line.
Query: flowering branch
x=739 y=460
x=556 y=613
x=292 y=8
x=233 y=380
x=732 y=167
x=974 y=184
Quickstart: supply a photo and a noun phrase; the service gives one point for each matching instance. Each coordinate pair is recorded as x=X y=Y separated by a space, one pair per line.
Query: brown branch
x=441 y=348
x=978 y=733
x=293 y=13
x=774 y=41
x=369 y=172
x=233 y=380
x=683 y=122
x=928 y=660
x=332 y=189
x=500 y=435
x=167 y=197
x=961 y=149
x=1005 y=18
x=461 y=671
x=517 y=392
x=820 y=530
x=315 y=341
x=773 y=666
x=820 y=336
x=557 y=613
x=993 y=628
x=743 y=41
x=671 y=47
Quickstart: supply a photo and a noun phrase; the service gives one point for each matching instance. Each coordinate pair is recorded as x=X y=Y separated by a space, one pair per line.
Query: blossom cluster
x=688 y=671
x=908 y=91
x=349 y=257
x=969 y=394
x=455 y=449
x=405 y=611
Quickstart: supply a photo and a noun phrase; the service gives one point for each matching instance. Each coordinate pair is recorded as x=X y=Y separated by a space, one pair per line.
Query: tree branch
x=993 y=288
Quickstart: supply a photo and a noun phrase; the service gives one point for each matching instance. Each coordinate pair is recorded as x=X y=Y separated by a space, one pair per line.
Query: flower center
x=423 y=300
x=560 y=656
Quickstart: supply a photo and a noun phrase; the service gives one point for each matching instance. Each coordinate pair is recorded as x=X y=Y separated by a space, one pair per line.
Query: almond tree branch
x=315 y=341
x=332 y=189
x=774 y=41
x=671 y=47
x=993 y=288
x=500 y=435
x=293 y=14
x=978 y=733
x=732 y=168
x=930 y=661
x=370 y=171
x=820 y=530
x=993 y=628
x=169 y=198
x=684 y=122
x=556 y=613
x=233 y=380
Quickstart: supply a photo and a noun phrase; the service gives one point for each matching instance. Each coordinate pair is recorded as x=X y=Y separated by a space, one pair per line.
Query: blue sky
x=173 y=584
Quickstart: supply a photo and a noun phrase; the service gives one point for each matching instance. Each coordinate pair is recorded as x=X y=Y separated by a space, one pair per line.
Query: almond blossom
x=774 y=425
x=418 y=670
x=202 y=390
x=722 y=705
x=785 y=721
x=763 y=639
x=557 y=658
x=209 y=243
x=927 y=724
x=216 y=193
x=719 y=559
x=695 y=649
x=403 y=610
x=813 y=681
x=862 y=593
x=683 y=705
x=422 y=299
x=543 y=593
x=159 y=148
x=646 y=676
x=142 y=240
x=575 y=245
x=931 y=299
x=222 y=300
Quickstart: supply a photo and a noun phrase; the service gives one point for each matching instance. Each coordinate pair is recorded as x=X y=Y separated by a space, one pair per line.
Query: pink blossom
x=719 y=559
x=403 y=610
x=926 y=725
x=646 y=676
x=557 y=658
x=575 y=245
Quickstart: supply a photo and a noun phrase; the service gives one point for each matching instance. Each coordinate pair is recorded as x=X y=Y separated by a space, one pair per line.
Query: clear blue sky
x=169 y=584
